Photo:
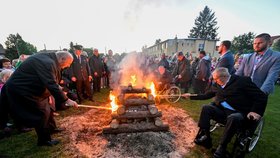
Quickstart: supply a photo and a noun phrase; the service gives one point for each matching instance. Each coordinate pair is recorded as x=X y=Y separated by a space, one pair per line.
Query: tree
x=243 y=43
x=15 y=46
x=276 y=45
x=205 y=25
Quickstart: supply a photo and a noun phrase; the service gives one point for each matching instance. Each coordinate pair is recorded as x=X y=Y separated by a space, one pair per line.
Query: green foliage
x=243 y=43
x=205 y=25
x=16 y=46
x=276 y=45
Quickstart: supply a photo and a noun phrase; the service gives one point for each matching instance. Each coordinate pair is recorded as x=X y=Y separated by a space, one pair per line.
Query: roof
x=182 y=39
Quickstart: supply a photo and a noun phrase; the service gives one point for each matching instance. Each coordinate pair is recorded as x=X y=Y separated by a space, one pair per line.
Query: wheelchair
x=170 y=92
x=245 y=139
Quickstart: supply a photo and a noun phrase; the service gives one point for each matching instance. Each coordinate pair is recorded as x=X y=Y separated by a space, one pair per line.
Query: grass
x=24 y=145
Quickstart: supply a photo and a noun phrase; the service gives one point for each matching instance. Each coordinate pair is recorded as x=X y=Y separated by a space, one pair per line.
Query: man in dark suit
x=226 y=58
x=97 y=70
x=182 y=72
x=235 y=99
x=81 y=75
x=30 y=87
x=263 y=66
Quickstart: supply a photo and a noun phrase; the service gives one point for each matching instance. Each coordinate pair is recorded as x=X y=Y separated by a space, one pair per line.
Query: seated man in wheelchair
x=236 y=99
x=164 y=78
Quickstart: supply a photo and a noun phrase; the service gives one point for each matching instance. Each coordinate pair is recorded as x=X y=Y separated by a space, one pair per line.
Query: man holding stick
x=235 y=99
x=29 y=88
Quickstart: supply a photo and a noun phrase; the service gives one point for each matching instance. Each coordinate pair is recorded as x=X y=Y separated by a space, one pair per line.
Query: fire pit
x=134 y=110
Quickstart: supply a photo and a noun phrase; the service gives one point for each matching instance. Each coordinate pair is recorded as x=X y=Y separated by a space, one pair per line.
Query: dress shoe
x=220 y=152
x=48 y=143
x=57 y=130
x=204 y=141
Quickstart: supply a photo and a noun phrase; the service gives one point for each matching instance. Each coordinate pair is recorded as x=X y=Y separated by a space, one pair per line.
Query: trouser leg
x=233 y=123
x=43 y=128
x=209 y=112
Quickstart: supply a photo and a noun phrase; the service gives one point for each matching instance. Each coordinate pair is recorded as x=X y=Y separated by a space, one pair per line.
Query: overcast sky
x=127 y=25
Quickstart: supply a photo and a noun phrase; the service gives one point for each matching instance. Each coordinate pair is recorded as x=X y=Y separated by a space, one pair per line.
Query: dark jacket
x=203 y=69
x=165 y=78
x=227 y=61
x=30 y=86
x=183 y=68
x=78 y=69
x=164 y=62
x=240 y=93
x=96 y=65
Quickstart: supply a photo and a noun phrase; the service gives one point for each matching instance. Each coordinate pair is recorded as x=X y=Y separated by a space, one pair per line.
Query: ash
x=84 y=137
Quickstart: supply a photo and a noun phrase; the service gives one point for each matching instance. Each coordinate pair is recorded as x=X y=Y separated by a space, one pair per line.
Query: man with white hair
x=31 y=84
x=236 y=98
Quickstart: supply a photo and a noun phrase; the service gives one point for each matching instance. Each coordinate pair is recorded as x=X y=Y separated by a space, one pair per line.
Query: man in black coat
x=80 y=74
x=164 y=62
x=29 y=88
x=97 y=70
x=202 y=73
x=182 y=72
x=235 y=99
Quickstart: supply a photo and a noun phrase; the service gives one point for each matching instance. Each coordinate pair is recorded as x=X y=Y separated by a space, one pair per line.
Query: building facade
x=187 y=46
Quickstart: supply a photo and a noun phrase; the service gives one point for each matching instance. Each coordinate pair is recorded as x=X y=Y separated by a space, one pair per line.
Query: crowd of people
x=46 y=82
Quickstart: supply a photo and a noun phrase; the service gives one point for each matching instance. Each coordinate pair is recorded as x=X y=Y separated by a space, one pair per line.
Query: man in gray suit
x=263 y=66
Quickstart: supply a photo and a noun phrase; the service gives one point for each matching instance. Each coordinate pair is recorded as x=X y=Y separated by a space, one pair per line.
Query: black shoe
x=57 y=130
x=220 y=152
x=48 y=143
x=204 y=141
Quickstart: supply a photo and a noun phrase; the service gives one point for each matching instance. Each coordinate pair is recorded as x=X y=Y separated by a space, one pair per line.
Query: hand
x=203 y=79
x=186 y=95
x=61 y=82
x=253 y=116
x=179 y=76
x=89 y=77
x=95 y=74
x=70 y=102
x=74 y=79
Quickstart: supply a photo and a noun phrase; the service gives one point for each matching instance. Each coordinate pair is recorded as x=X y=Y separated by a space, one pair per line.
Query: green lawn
x=24 y=145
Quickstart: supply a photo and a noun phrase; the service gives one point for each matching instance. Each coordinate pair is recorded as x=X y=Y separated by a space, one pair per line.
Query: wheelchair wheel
x=256 y=135
x=173 y=94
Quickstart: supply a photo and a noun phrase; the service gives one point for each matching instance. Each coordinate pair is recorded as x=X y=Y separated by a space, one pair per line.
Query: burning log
x=153 y=109
x=136 y=115
x=114 y=124
x=139 y=101
x=131 y=90
x=133 y=128
x=158 y=122
x=121 y=110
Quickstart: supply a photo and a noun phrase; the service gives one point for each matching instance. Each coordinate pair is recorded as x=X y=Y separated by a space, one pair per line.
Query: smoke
x=136 y=7
x=133 y=68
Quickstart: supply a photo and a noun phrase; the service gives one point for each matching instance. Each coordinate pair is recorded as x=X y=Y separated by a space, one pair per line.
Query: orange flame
x=153 y=89
x=133 y=80
x=113 y=102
